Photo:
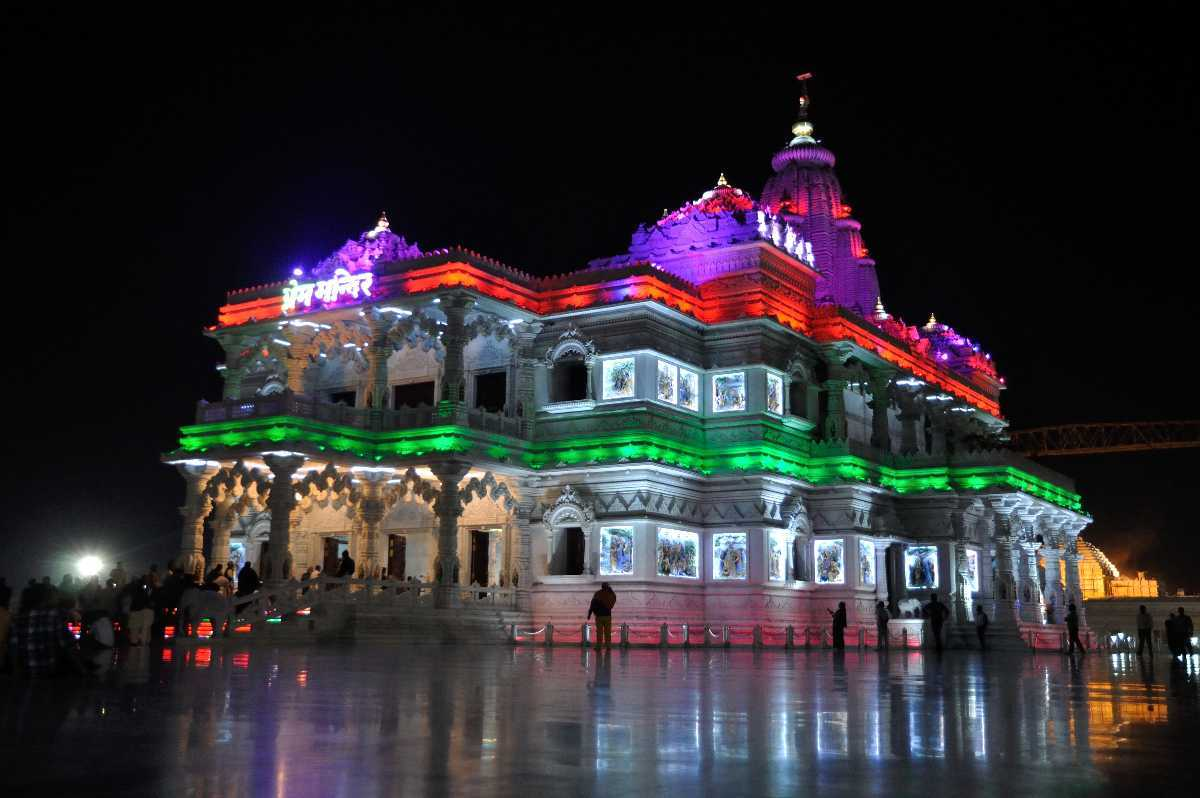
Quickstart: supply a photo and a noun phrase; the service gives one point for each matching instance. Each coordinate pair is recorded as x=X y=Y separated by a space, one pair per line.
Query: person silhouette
x=936 y=612
x=1145 y=631
x=1073 y=631
x=839 y=626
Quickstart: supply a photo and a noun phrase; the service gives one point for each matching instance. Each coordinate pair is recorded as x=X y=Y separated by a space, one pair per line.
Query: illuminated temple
x=723 y=421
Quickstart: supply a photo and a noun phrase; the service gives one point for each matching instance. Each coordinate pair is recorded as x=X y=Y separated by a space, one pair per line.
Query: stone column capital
x=284 y=464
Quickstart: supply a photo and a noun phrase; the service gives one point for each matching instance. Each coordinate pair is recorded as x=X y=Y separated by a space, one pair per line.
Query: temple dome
x=721 y=198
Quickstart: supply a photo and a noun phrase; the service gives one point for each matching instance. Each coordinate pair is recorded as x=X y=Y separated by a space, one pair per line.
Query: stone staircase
x=368 y=624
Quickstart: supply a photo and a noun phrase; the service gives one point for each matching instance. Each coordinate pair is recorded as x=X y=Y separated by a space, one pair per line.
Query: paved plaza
x=231 y=719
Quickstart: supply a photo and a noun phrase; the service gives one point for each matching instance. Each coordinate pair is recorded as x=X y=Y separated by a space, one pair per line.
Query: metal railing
x=683 y=635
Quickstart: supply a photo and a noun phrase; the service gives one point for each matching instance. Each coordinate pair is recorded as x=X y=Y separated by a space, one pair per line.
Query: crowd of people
x=53 y=628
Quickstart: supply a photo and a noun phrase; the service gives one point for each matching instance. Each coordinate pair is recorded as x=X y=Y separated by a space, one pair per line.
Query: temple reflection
x=287 y=722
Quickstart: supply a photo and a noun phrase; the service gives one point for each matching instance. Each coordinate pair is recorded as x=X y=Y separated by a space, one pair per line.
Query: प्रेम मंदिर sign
x=341 y=284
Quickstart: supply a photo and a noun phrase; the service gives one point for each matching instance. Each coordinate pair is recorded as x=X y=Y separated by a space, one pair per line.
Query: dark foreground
x=236 y=720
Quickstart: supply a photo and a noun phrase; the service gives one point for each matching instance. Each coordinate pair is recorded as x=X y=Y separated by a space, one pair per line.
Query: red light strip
x=754 y=294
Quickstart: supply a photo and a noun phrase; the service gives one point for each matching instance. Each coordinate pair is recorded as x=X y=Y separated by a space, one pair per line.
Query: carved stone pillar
x=910 y=417
x=834 y=428
x=1071 y=560
x=195 y=509
x=281 y=502
x=525 y=504
x=448 y=508
x=233 y=371
x=939 y=444
x=526 y=375
x=377 y=354
x=224 y=521
x=1056 y=609
x=1031 y=592
x=298 y=356
x=589 y=363
x=963 y=611
x=370 y=512
x=1004 y=612
x=881 y=399
x=881 y=574
x=454 y=340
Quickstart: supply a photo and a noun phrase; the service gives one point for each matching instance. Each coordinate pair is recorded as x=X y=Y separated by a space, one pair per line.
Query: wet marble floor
x=237 y=720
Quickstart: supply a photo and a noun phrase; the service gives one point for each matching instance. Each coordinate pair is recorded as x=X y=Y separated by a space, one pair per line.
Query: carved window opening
x=413 y=394
x=569 y=380
x=569 y=548
x=344 y=397
x=491 y=391
x=798 y=398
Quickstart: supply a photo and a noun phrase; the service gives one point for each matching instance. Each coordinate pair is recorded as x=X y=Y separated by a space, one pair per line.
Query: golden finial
x=929 y=325
x=802 y=129
x=880 y=312
x=722 y=182
x=380 y=225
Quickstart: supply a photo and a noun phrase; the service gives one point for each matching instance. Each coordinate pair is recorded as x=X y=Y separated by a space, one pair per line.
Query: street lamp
x=89 y=566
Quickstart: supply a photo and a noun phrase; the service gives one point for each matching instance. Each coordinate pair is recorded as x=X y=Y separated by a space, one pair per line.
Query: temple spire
x=721 y=181
x=802 y=129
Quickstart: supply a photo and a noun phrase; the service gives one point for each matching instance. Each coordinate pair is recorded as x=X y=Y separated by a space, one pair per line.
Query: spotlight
x=89 y=566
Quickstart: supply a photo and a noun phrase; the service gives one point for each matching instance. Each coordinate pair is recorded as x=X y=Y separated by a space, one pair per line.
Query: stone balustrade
x=290 y=404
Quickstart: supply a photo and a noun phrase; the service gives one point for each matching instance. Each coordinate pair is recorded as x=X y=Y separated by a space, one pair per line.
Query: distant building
x=1099 y=578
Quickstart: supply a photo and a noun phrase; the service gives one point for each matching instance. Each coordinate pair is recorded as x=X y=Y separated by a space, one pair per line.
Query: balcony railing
x=290 y=404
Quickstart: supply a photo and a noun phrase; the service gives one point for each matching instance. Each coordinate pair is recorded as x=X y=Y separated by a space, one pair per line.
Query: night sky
x=1025 y=175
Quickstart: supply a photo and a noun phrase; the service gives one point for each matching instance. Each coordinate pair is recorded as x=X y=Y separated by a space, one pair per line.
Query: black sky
x=1028 y=175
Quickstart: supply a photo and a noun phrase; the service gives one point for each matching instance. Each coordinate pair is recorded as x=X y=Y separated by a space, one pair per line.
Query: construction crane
x=1132 y=436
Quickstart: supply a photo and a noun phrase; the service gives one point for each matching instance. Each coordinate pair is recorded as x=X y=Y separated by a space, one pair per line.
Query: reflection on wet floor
x=230 y=719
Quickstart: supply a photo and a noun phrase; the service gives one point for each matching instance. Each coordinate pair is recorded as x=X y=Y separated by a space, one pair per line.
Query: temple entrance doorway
x=263 y=548
x=397 y=556
x=568 y=556
x=479 y=558
x=334 y=546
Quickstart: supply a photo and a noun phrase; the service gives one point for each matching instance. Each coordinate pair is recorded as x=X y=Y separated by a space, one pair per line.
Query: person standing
x=936 y=612
x=346 y=566
x=603 y=600
x=1073 y=631
x=882 y=616
x=141 y=613
x=981 y=625
x=839 y=626
x=1145 y=631
x=248 y=580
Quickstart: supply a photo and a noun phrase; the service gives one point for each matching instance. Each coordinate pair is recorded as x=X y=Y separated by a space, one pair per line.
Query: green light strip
x=631 y=447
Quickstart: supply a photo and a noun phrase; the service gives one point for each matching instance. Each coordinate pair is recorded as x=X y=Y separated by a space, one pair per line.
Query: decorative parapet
x=815 y=465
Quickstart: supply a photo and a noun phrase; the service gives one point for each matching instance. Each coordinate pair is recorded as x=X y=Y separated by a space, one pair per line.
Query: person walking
x=839 y=626
x=603 y=600
x=1073 y=631
x=882 y=616
x=936 y=612
x=1145 y=631
x=981 y=625
x=1186 y=630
